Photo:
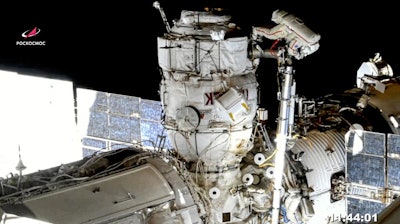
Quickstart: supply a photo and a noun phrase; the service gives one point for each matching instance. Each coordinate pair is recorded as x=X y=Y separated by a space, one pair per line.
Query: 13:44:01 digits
x=368 y=217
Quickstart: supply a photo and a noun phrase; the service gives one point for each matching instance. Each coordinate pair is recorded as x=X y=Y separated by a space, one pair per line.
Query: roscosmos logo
x=31 y=33
x=28 y=34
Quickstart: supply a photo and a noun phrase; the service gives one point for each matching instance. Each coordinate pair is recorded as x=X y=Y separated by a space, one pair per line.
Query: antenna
x=157 y=5
x=20 y=166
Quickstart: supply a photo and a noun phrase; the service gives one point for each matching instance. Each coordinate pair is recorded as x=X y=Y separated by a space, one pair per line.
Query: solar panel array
x=117 y=121
x=393 y=165
x=373 y=173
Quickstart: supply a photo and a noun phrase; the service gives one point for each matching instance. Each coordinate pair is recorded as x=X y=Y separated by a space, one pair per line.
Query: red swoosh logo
x=32 y=33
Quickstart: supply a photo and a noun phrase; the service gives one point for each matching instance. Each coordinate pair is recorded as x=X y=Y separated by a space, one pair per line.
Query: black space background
x=111 y=45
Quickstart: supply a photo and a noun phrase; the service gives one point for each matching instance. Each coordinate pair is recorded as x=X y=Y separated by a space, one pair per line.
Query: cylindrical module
x=209 y=97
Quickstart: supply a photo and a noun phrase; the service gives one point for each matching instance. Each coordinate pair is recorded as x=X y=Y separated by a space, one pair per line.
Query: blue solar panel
x=368 y=167
x=124 y=105
x=122 y=120
x=97 y=143
x=393 y=144
x=98 y=125
x=363 y=208
x=151 y=110
x=124 y=129
x=393 y=148
x=394 y=173
x=374 y=143
x=365 y=169
x=100 y=103
x=150 y=130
